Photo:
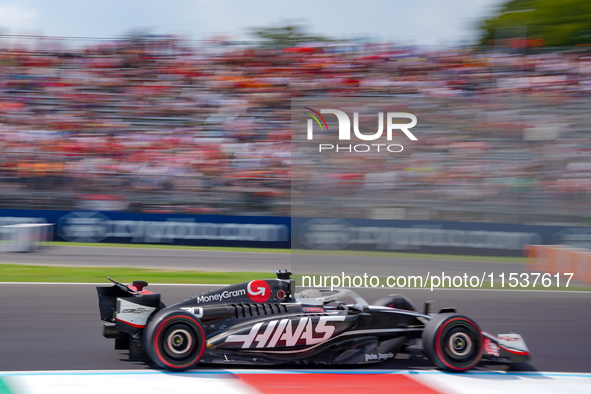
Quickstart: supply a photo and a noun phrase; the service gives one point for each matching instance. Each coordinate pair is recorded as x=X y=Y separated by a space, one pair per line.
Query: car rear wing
x=109 y=297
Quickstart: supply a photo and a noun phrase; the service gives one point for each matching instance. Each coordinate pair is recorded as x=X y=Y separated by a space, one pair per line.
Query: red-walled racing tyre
x=174 y=340
x=452 y=342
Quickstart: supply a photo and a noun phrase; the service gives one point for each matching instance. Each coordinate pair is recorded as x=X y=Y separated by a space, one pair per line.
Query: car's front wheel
x=174 y=340
x=452 y=342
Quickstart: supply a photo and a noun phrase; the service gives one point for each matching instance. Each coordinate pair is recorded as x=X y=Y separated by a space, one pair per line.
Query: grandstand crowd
x=168 y=125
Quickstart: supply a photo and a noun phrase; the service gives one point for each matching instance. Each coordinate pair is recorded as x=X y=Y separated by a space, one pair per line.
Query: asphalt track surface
x=221 y=261
x=57 y=327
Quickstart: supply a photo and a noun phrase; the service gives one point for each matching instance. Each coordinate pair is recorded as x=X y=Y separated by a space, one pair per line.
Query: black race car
x=264 y=322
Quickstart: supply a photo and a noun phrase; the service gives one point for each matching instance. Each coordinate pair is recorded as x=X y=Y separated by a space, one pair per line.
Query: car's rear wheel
x=174 y=340
x=452 y=342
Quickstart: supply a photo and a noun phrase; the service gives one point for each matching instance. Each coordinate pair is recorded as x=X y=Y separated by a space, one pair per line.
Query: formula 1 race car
x=265 y=322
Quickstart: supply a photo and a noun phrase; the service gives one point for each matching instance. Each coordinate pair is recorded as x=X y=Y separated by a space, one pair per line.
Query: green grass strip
x=42 y=273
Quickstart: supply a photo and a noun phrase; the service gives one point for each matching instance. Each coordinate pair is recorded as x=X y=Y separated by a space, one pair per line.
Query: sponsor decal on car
x=137 y=310
x=197 y=311
x=378 y=356
x=220 y=296
x=313 y=309
x=491 y=348
x=287 y=332
x=133 y=314
x=508 y=338
x=258 y=290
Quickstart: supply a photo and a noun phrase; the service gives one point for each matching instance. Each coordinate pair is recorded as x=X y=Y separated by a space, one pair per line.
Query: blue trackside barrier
x=414 y=236
x=152 y=228
x=484 y=239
